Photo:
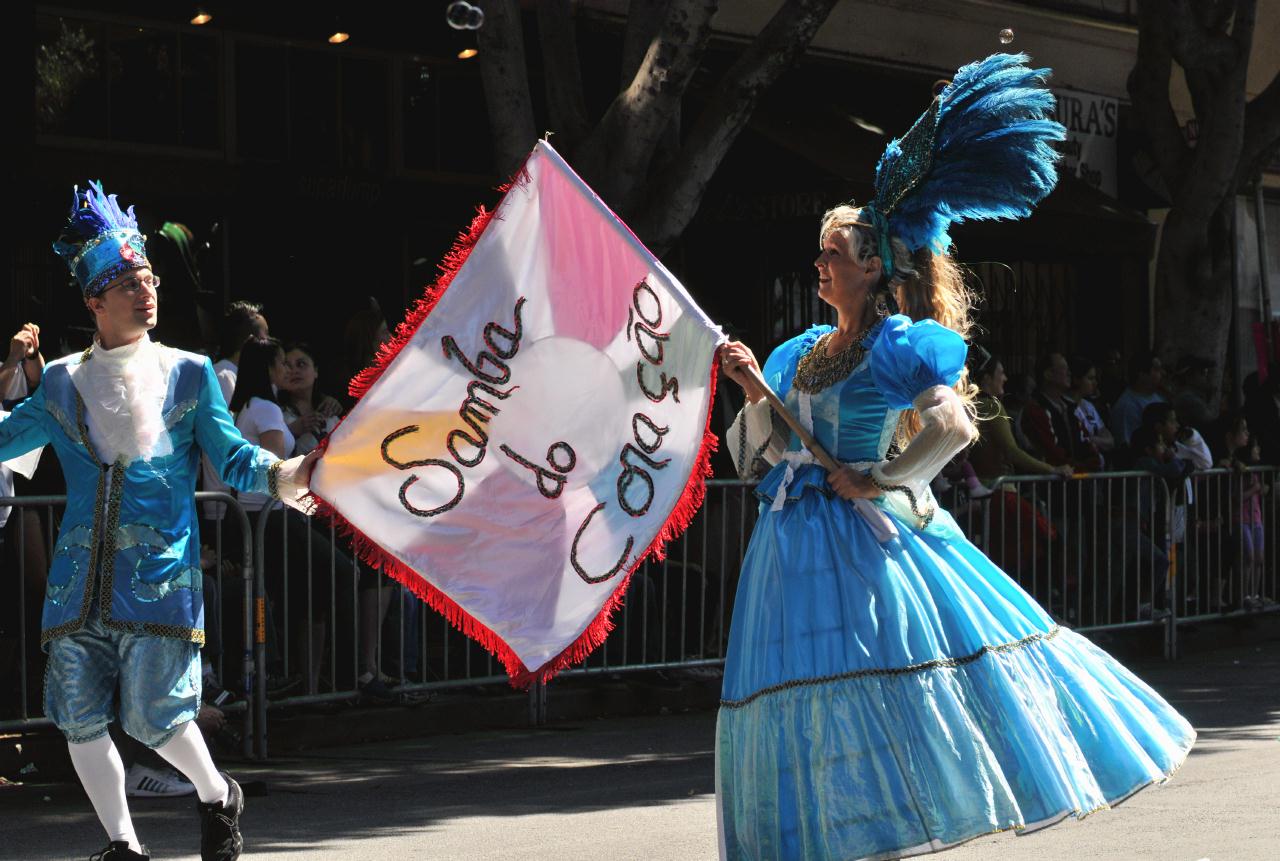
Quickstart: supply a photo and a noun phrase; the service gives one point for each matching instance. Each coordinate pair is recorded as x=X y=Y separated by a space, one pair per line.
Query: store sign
x=1089 y=152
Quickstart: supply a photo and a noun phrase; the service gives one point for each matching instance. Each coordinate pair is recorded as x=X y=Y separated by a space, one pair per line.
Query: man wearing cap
x=123 y=612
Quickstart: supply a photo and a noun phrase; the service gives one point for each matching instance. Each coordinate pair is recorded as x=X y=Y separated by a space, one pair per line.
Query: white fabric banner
x=533 y=434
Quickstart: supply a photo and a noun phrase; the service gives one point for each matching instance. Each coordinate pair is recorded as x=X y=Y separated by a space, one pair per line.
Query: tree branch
x=566 y=105
x=1149 y=92
x=1261 y=133
x=505 y=77
x=644 y=18
x=1196 y=44
x=616 y=157
x=673 y=199
x=1211 y=175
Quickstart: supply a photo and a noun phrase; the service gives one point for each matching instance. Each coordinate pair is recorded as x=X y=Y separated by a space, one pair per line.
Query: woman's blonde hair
x=924 y=285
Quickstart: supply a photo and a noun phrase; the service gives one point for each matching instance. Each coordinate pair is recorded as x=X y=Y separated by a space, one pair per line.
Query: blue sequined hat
x=983 y=150
x=100 y=242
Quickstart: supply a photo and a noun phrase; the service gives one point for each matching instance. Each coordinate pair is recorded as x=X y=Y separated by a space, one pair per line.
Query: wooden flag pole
x=780 y=408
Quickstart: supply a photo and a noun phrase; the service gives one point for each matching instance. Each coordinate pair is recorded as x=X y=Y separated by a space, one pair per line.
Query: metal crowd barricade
x=1093 y=550
x=29 y=659
x=1100 y=552
x=675 y=616
x=1228 y=561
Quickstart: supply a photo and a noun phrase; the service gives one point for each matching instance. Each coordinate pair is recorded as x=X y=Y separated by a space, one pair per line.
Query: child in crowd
x=1251 y=528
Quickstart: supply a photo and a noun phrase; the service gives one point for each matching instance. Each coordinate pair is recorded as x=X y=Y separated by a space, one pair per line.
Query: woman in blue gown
x=888 y=690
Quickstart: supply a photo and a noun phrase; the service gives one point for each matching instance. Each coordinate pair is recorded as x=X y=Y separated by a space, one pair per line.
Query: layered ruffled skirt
x=883 y=700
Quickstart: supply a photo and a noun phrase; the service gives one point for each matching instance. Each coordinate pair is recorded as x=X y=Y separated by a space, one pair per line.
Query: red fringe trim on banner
x=372 y=554
x=695 y=490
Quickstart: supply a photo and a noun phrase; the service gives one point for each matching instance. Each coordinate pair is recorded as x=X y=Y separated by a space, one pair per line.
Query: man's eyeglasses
x=133 y=285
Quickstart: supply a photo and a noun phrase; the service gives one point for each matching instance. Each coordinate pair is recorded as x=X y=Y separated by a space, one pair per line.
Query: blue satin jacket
x=134 y=525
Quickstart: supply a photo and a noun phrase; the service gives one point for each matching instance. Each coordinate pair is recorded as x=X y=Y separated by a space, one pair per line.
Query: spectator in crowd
x=242 y=321
x=1193 y=393
x=306 y=412
x=310 y=556
x=1250 y=524
x=1146 y=372
x=366 y=332
x=1084 y=389
x=1025 y=531
x=1111 y=382
x=1049 y=420
x=996 y=452
x=1182 y=441
x=1262 y=407
x=1018 y=389
x=20 y=372
x=19 y=375
x=1230 y=435
x=310 y=414
x=1152 y=454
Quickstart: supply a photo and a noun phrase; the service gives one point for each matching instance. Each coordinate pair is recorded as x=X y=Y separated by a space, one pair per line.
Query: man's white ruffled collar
x=124 y=391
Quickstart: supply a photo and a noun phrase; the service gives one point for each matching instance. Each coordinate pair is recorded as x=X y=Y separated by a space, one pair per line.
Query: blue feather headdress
x=100 y=241
x=983 y=150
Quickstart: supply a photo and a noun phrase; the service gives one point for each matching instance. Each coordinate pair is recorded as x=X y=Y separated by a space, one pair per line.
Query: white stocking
x=101 y=773
x=187 y=752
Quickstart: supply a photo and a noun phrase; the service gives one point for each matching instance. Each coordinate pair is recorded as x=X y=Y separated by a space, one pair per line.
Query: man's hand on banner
x=735 y=358
x=293 y=481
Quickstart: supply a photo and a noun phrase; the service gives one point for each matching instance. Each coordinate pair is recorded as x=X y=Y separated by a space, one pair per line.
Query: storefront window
x=71 y=92
x=262 y=108
x=419 y=106
x=364 y=115
x=313 y=108
x=126 y=83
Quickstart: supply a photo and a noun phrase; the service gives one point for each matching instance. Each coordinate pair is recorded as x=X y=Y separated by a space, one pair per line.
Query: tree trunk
x=1193 y=289
x=506 y=84
x=565 y=102
x=1211 y=41
x=674 y=198
x=615 y=159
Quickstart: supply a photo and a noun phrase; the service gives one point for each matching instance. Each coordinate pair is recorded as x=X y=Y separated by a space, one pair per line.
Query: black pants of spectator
x=309 y=577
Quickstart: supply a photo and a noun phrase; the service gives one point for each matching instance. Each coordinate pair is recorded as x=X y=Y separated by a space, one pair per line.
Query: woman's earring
x=882 y=307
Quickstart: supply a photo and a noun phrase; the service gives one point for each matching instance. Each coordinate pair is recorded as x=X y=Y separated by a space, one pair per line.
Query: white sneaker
x=143 y=782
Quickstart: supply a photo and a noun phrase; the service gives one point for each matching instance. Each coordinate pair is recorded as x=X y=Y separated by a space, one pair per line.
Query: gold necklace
x=817 y=371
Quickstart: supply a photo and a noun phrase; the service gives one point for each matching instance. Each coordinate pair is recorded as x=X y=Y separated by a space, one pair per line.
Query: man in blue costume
x=123 y=613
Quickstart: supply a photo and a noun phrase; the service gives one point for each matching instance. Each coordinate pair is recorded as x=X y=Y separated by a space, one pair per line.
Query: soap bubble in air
x=462 y=15
x=1006 y=36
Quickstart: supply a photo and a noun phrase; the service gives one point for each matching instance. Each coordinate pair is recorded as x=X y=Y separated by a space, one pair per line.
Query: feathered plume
x=93 y=212
x=982 y=151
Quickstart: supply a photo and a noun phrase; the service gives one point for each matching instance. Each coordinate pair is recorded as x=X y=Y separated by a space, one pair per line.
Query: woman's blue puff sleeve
x=909 y=358
x=780 y=368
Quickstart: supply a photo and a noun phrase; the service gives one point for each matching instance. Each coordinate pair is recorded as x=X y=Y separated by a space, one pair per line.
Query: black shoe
x=220 y=838
x=376 y=690
x=215 y=694
x=118 y=850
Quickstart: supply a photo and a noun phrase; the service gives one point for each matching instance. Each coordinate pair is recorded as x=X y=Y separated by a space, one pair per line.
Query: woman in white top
x=310 y=418
x=310 y=555
x=305 y=408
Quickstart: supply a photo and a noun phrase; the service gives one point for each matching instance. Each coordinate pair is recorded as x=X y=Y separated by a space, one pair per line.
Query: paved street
x=641 y=788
